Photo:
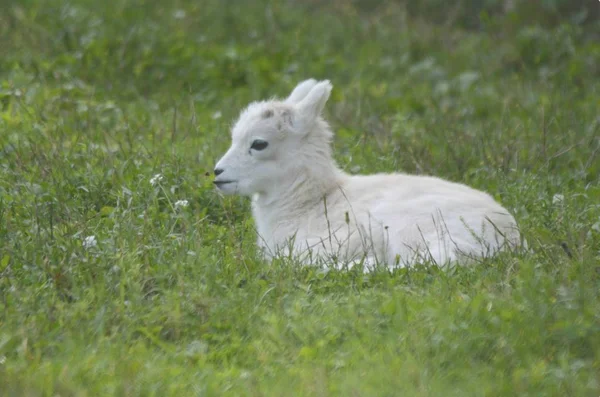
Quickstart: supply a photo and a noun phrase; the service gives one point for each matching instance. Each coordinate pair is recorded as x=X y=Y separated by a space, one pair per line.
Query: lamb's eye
x=259 y=144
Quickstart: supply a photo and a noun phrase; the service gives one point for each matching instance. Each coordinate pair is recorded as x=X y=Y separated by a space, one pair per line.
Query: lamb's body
x=386 y=218
x=306 y=206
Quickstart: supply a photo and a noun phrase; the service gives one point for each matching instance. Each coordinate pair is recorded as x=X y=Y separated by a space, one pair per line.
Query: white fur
x=304 y=205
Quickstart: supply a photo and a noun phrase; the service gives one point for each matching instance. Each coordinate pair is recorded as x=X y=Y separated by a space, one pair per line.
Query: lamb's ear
x=312 y=105
x=301 y=90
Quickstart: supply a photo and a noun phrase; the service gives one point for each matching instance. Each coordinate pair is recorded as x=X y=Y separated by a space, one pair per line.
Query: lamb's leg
x=432 y=251
x=368 y=263
x=315 y=252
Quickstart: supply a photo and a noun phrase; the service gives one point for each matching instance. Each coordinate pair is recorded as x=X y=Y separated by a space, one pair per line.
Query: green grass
x=98 y=97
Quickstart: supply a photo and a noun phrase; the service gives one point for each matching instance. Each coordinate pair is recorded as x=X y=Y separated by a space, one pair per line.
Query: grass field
x=113 y=113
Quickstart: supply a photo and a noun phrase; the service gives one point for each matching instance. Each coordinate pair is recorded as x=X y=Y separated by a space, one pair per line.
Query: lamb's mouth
x=221 y=183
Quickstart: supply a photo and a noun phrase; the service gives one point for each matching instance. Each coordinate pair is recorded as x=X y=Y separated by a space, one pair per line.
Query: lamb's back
x=401 y=201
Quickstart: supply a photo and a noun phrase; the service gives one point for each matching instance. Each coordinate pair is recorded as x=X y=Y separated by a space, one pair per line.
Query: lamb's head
x=274 y=140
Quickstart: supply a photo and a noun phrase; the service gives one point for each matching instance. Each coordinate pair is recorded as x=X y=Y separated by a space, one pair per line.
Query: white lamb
x=305 y=206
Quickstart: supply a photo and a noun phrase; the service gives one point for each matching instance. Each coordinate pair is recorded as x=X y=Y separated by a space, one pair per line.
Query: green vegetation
x=98 y=97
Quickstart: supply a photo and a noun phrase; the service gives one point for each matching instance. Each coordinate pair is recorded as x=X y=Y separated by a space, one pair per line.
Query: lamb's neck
x=292 y=198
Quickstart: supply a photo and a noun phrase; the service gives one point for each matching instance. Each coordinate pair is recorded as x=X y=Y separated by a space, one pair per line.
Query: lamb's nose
x=218 y=171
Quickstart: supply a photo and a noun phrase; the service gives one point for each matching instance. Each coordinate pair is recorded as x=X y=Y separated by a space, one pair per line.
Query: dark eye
x=259 y=144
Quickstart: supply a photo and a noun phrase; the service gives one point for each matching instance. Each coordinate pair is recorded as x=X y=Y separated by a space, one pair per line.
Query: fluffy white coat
x=304 y=205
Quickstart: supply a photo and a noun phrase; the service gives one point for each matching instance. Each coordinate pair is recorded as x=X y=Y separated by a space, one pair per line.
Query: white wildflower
x=558 y=199
x=155 y=179
x=181 y=203
x=216 y=115
x=90 y=242
x=179 y=14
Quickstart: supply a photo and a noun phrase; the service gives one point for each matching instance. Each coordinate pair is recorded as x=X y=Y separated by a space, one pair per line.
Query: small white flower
x=90 y=242
x=179 y=14
x=558 y=199
x=155 y=179
x=181 y=203
x=216 y=115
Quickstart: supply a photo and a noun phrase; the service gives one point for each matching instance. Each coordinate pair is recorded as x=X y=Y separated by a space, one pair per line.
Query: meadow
x=123 y=272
